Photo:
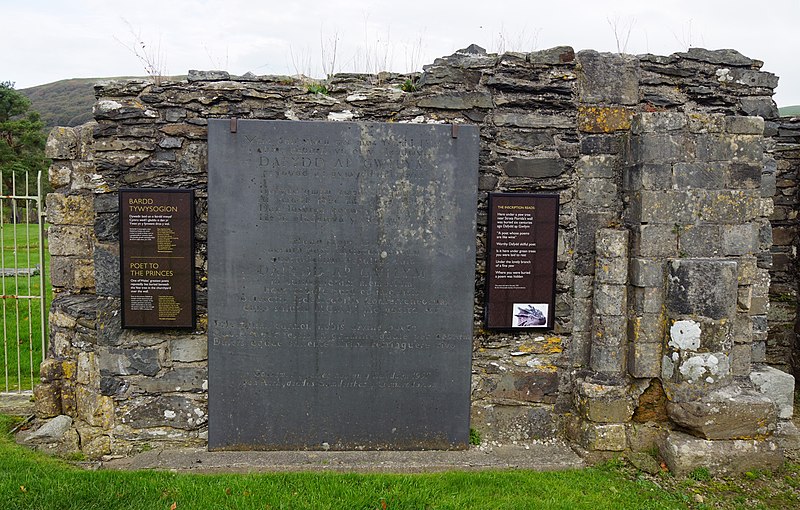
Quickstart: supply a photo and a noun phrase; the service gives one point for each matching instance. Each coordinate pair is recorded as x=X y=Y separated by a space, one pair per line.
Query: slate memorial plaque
x=157 y=258
x=521 y=270
x=341 y=283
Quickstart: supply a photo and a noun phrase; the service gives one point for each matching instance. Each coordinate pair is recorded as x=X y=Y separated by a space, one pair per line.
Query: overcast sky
x=43 y=41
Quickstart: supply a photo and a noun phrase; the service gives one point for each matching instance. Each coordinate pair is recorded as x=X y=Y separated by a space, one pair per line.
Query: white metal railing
x=23 y=346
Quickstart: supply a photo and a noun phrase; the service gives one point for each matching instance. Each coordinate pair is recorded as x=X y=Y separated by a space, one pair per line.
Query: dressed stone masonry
x=666 y=175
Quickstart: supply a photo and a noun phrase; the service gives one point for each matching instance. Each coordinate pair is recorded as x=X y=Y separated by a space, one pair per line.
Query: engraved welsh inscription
x=341 y=276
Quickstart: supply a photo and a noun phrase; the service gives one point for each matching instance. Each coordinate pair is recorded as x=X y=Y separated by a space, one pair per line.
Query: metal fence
x=23 y=281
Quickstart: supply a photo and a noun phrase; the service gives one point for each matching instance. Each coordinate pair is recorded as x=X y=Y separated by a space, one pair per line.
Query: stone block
x=47 y=399
x=698 y=175
x=552 y=56
x=533 y=120
x=694 y=374
x=722 y=147
x=600 y=144
x=656 y=176
x=188 y=379
x=51 y=370
x=115 y=361
x=762 y=106
x=728 y=206
x=741 y=355
x=176 y=411
x=706 y=123
x=662 y=148
x=776 y=385
x=759 y=351
x=604 y=119
x=597 y=167
x=644 y=359
x=745 y=176
x=688 y=292
x=604 y=403
x=95 y=409
x=740 y=239
x=611 y=242
x=746 y=270
x=70 y=240
x=604 y=437
x=62 y=143
x=97 y=447
x=106 y=269
x=654 y=241
x=647 y=300
x=646 y=272
x=610 y=299
x=658 y=122
x=670 y=207
x=700 y=240
x=188 y=348
x=645 y=436
x=463 y=101
x=52 y=430
x=600 y=193
x=534 y=386
x=69 y=398
x=611 y=270
x=534 y=168
x=684 y=453
x=727 y=413
x=59 y=174
x=487 y=182
x=647 y=328
x=744 y=125
x=608 y=78
x=512 y=423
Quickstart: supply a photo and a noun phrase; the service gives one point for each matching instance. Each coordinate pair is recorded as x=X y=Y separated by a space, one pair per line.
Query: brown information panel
x=523 y=232
x=157 y=258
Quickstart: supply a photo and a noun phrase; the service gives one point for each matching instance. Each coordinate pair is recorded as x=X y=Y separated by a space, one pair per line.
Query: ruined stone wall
x=551 y=121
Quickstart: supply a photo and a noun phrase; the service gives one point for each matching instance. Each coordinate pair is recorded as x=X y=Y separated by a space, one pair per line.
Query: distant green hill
x=789 y=111
x=66 y=102
x=63 y=103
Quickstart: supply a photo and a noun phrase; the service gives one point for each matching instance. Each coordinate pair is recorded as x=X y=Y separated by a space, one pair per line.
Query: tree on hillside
x=22 y=141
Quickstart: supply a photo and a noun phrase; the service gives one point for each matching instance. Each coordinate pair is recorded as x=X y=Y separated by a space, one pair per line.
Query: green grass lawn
x=20 y=340
x=29 y=480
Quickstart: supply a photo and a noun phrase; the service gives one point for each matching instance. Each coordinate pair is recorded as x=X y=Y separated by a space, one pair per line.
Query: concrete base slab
x=18 y=404
x=549 y=456
x=684 y=453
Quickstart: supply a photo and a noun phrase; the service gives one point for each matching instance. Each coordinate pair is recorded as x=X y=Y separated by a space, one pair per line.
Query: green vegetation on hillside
x=789 y=111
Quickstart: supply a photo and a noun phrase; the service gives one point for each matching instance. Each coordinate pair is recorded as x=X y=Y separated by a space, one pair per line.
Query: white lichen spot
x=205 y=385
x=290 y=115
x=419 y=119
x=693 y=368
x=710 y=380
x=107 y=105
x=356 y=97
x=724 y=75
x=199 y=412
x=169 y=414
x=341 y=116
x=685 y=335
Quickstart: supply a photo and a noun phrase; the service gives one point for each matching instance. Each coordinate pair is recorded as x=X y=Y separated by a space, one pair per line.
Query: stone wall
x=664 y=186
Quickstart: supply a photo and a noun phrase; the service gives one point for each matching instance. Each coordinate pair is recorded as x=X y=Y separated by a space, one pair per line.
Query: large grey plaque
x=341 y=279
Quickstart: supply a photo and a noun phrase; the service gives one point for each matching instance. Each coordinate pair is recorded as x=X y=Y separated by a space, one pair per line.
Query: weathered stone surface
x=644 y=462
x=70 y=240
x=191 y=379
x=777 y=386
x=189 y=348
x=533 y=120
x=115 y=361
x=512 y=423
x=604 y=119
x=97 y=447
x=603 y=403
x=644 y=359
x=53 y=429
x=456 y=101
x=728 y=413
x=535 y=168
x=683 y=454
x=608 y=78
x=62 y=143
x=174 y=411
x=688 y=292
x=658 y=122
x=604 y=437
x=93 y=408
x=552 y=56
x=536 y=386
x=47 y=398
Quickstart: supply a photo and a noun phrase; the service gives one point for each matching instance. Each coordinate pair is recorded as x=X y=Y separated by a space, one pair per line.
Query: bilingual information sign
x=157 y=258
x=521 y=270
